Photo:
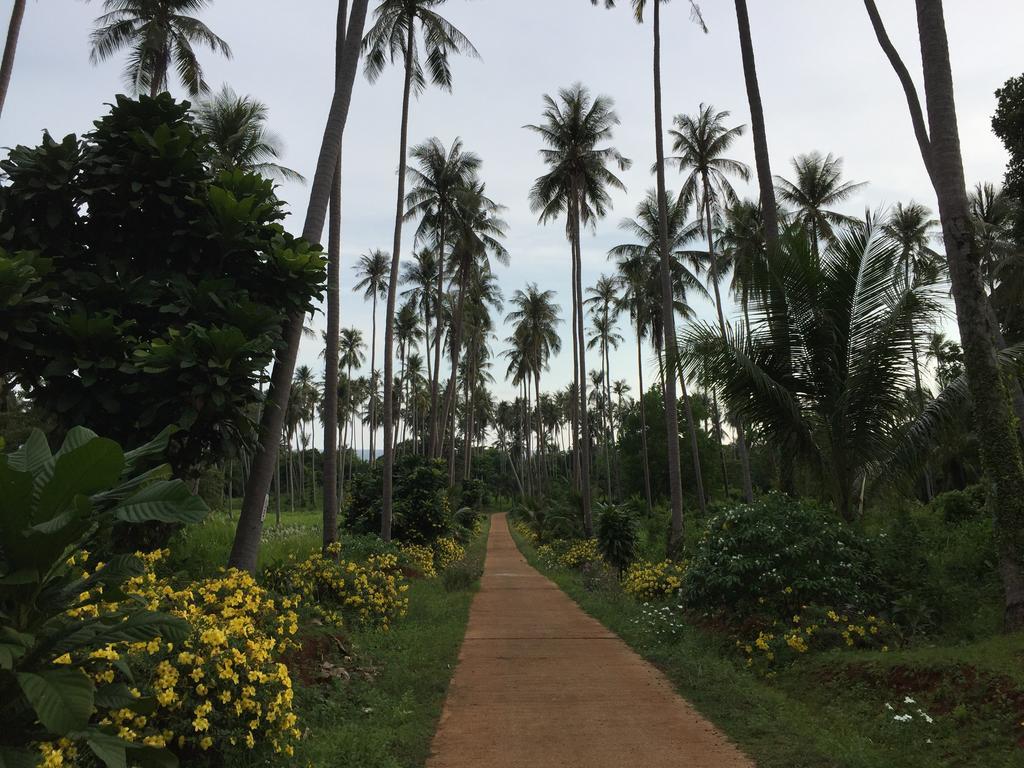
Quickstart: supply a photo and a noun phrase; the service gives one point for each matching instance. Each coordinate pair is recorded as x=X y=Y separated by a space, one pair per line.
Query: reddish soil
x=541 y=684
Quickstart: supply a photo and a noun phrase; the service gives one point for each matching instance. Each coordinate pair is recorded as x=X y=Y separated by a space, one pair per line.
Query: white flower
x=909 y=700
x=888 y=706
x=902 y=718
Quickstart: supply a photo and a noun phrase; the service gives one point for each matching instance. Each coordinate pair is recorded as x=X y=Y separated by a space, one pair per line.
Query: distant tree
x=158 y=35
x=372 y=271
x=1008 y=125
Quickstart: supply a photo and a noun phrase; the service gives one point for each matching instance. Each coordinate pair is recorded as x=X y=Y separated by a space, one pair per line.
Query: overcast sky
x=825 y=85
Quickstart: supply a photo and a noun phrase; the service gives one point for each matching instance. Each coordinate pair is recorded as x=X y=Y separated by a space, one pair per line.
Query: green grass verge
x=388 y=720
x=829 y=710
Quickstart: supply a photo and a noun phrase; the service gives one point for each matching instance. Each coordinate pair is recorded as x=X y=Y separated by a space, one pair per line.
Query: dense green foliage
x=118 y=254
x=617 y=535
x=775 y=555
x=1008 y=125
x=422 y=512
x=57 y=620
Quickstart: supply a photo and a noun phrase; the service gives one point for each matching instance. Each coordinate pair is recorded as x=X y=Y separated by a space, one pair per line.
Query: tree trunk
x=245 y=548
x=436 y=434
x=389 y=325
x=1000 y=448
x=741 y=440
x=330 y=527
x=675 y=481
x=691 y=426
x=765 y=184
x=643 y=422
x=10 y=48
x=456 y=349
x=588 y=518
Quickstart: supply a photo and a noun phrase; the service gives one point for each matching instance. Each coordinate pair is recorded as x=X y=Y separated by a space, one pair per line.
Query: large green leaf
x=15 y=501
x=155 y=449
x=18 y=758
x=82 y=471
x=138 y=627
x=8 y=653
x=32 y=454
x=168 y=501
x=109 y=749
x=61 y=698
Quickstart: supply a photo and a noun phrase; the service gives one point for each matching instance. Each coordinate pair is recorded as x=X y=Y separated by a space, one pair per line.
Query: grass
x=387 y=720
x=828 y=710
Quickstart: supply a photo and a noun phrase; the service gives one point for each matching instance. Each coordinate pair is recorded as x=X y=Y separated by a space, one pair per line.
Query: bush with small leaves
x=617 y=536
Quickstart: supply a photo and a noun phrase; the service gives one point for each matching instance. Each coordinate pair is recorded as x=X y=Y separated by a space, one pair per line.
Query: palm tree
x=438 y=179
x=577 y=185
x=939 y=142
x=757 y=128
x=306 y=397
x=351 y=354
x=993 y=215
x=482 y=296
x=235 y=127
x=158 y=35
x=848 y=339
x=408 y=334
x=372 y=272
x=325 y=187
x=819 y=184
x=393 y=34
x=702 y=140
x=668 y=321
x=477 y=240
x=603 y=298
x=535 y=319
x=744 y=248
x=421 y=275
x=639 y=265
x=10 y=48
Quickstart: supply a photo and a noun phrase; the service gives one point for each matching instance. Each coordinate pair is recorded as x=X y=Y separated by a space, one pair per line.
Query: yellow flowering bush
x=370 y=594
x=525 y=531
x=648 y=581
x=419 y=557
x=816 y=629
x=580 y=553
x=222 y=690
x=447 y=551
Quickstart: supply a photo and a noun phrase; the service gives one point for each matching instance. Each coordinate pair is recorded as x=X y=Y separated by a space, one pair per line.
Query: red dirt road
x=540 y=684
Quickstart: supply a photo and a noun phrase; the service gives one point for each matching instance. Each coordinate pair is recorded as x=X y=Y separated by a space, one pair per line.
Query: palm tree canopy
x=236 y=128
x=819 y=184
x=701 y=142
x=373 y=270
x=535 y=320
x=393 y=27
x=573 y=127
x=351 y=348
x=157 y=34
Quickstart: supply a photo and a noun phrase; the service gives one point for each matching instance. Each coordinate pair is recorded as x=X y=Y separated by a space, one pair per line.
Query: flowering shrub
x=816 y=629
x=580 y=553
x=447 y=551
x=775 y=555
x=370 y=594
x=663 y=620
x=525 y=531
x=419 y=557
x=647 y=581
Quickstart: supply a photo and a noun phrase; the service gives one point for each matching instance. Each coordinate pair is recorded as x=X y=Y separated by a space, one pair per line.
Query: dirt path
x=540 y=684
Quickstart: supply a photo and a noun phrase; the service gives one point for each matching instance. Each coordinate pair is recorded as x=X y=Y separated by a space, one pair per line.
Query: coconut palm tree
x=668 y=321
x=602 y=301
x=236 y=128
x=372 y=271
x=535 y=319
x=476 y=241
x=393 y=36
x=577 y=185
x=849 y=315
x=438 y=177
x=10 y=48
x=482 y=297
x=639 y=267
x=993 y=216
x=702 y=140
x=325 y=187
x=351 y=354
x=408 y=334
x=157 y=34
x=421 y=276
x=939 y=142
x=743 y=242
x=818 y=186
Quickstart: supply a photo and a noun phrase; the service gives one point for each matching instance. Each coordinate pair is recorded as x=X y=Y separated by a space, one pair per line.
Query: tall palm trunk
x=741 y=440
x=330 y=470
x=245 y=549
x=994 y=419
x=373 y=377
x=456 y=349
x=675 y=480
x=10 y=48
x=540 y=430
x=389 y=326
x=691 y=427
x=643 y=421
x=757 y=129
x=588 y=519
x=574 y=403
x=436 y=432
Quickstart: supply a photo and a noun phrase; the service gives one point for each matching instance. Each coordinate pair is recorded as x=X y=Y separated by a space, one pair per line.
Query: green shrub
x=61 y=623
x=474 y=493
x=774 y=555
x=959 y=506
x=462 y=575
x=467 y=522
x=617 y=536
x=421 y=510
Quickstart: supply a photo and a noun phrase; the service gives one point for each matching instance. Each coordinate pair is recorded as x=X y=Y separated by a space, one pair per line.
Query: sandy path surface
x=540 y=684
